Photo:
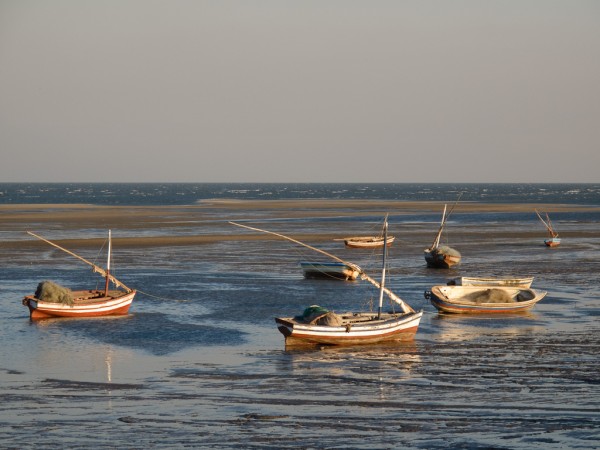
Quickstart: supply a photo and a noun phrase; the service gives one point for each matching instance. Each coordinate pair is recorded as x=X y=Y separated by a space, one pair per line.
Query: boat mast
x=436 y=242
x=382 y=284
x=551 y=230
x=548 y=224
x=108 y=265
x=444 y=219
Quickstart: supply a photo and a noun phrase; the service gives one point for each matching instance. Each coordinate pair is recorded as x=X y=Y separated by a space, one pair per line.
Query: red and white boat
x=81 y=303
x=352 y=329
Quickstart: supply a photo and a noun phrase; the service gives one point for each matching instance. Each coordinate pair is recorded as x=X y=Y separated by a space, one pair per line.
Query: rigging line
x=163 y=298
x=455 y=203
x=100 y=252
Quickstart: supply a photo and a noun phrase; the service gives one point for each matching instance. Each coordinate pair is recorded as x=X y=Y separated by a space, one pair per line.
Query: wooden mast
x=108 y=265
x=551 y=232
x=436 y=241
x=445 y=216
x=382 y=287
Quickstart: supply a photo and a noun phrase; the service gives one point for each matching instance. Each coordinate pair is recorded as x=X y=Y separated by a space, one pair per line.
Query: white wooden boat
x=524 y=282
x=352 y=328
x=337 y=270
x=80 y=303
x=368 y=241
x=552 y=240
x=442 y=256
x=483 y=299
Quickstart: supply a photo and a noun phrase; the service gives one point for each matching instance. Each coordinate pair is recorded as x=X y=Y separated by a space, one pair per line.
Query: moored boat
x=338 y=270
x=353 y=328
x=483 y=299
x=442 y=256
x=52 y=300
x=91 y=303
x=552 y=240
x=368 y=241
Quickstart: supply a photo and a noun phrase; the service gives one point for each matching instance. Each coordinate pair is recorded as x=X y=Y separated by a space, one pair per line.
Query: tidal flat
x=199 y=363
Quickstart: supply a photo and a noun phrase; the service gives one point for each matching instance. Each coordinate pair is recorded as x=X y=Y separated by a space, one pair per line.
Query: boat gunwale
x=516 y=282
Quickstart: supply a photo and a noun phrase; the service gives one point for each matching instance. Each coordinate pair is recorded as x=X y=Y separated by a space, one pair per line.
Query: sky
x=300 y=91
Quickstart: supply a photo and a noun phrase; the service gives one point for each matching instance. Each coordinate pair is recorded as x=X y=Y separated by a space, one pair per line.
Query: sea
x=188 y=193
x=199 y=363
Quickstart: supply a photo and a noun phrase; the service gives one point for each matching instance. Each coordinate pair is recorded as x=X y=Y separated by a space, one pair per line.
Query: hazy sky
x=293 y=91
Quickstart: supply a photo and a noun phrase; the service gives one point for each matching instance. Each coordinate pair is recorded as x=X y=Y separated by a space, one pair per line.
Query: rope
x=163 y=298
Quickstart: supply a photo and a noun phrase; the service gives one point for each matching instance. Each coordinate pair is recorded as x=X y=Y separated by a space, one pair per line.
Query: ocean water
x=188 y=193
x=199 y=363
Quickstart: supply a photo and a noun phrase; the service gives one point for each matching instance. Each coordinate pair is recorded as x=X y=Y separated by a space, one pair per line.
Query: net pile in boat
x=490 y=296
x=48 y=291
x=317 y=315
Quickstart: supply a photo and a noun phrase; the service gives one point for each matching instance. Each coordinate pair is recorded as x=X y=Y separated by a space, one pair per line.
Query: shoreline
x=367 y=205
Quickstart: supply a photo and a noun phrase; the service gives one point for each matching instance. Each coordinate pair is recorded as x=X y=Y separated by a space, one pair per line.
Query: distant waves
x=159 y=194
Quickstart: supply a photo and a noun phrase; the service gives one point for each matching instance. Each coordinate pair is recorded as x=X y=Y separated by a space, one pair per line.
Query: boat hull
x=457 y=299
x=439 y=259
x=330 y=270
x=552 y=242
x=393 y=327
x=368 y=242
x=86 y=304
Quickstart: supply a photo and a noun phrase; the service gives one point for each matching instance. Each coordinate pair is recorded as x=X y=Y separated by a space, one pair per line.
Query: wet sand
x=205 y=214
x=200 y=363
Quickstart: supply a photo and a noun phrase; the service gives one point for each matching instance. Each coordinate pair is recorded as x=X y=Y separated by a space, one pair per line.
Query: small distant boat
x=368 y=241
x=318 y=326
x=483 y=299
x=338 y=270
x=552 y=240
x=441 y=256
x=524 y=282
x=52 y=300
